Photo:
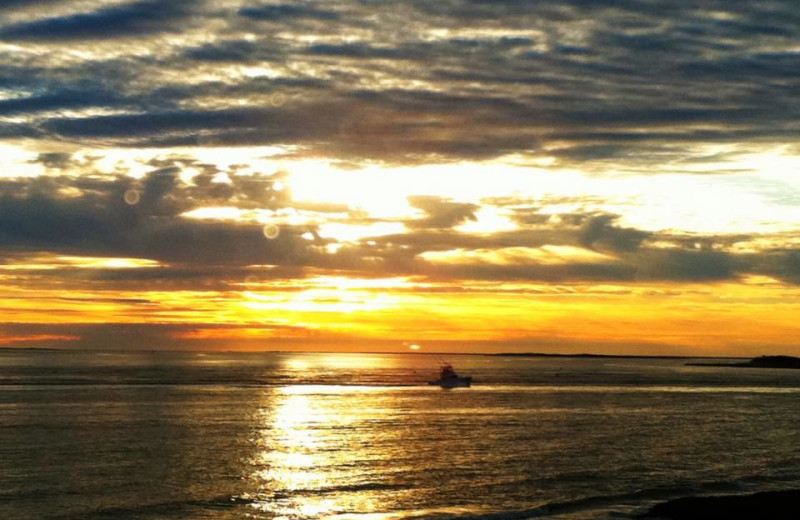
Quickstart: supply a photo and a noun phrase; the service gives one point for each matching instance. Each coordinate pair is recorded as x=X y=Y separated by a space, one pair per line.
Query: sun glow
x=320 y=301
x=46 y=261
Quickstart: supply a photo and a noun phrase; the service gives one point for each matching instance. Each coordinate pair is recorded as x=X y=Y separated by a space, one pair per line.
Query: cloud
x=441 y=213
x=553 y=273
x=101 y=221
x=129 y=19
x=237 y=51
x=60 y=99
x=596 y=84
x=279 y=12
x=546 y=266
x=56 y=160
x=95 y=217
x=783 y=264
x=133 y=125
x=519 y=256
x=677 y=264
x=356 y=51
x=604 y=86
x=17 y=4
x=599 y=232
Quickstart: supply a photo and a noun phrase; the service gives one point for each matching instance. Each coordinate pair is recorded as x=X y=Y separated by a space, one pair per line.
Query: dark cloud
x=604 y=83
x=356 y=51
x=630 y=254
x=789 y=264
x=598 y=83
x=37 y=220
x=15 y=131
x=17 y=4
x=57 y=160
x=106 y=220
x=783 y=264
x=646 y=264
x=573 y=272
x=279 y=12
x=110 y=22
x=61 y=99
x=599 y=232
x=159 y=122
x=97 y=217
x=441 y=213
x=214 y=243
x=237 y=51
x=676 y=264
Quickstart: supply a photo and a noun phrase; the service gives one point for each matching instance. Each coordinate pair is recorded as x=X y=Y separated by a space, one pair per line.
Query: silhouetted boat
x=449 y=379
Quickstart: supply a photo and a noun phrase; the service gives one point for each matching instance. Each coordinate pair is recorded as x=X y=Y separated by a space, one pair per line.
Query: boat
x=449 y=379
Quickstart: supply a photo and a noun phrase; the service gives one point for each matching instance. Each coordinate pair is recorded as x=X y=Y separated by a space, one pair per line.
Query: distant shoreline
x=766 y=504
x=605 y=356
x=784 y=362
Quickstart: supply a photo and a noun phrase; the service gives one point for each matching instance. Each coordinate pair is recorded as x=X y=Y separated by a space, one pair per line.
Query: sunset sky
x=609 y=176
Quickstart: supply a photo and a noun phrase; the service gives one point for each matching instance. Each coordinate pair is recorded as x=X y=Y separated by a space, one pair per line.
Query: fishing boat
x=449 y=379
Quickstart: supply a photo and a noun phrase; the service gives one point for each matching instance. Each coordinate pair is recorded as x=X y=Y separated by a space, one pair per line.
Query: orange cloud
x=9 y=340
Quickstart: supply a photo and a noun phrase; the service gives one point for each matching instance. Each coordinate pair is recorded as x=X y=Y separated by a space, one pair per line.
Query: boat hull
x=456 y=382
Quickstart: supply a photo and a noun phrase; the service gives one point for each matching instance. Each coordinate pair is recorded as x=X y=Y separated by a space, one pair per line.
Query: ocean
x=223 y=436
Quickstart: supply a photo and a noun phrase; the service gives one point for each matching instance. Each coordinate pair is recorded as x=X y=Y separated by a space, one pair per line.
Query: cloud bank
x=576 y=82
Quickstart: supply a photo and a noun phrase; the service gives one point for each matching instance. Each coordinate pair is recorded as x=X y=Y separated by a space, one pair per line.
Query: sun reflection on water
x=305 y=453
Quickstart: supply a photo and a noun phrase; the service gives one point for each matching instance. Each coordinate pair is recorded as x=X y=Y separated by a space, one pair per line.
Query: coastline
x=776 y=505
x=782 y=362
x=602 y=356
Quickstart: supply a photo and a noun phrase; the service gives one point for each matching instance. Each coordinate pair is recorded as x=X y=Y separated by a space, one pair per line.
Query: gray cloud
x=34 y=215
x=37 y=215
x=599 y=232
x=604 y=83
x=280 y=12
x=687 y=265
x=441 y=213
x=584 y=82
x=781 y=263
x=133 y=125
x=237 y=51
x=114 y=21
x=75 y=98
x=21 y=4
x=545 y=273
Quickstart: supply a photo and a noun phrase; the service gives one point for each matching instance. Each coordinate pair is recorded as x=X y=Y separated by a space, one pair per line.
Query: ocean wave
x=178 y=509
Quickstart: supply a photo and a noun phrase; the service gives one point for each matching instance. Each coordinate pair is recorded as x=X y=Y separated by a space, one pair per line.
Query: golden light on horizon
x=514 y=218
x=757 y=312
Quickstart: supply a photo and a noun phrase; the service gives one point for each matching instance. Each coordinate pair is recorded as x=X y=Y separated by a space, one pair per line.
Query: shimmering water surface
x=248 y=436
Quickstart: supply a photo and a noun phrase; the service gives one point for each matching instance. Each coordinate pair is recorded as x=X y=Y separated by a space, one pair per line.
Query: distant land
x=605 y=356
x=776 y=505
x=759 y=362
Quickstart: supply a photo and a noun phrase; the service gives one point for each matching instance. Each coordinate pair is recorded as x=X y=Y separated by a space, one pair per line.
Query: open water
x=162 y=436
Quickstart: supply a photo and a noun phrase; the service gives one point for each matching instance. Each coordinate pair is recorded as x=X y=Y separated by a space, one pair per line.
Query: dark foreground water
x=303 y=436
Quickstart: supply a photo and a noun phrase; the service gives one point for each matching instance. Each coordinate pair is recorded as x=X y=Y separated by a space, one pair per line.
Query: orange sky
x=466 y=176
x=345 y=313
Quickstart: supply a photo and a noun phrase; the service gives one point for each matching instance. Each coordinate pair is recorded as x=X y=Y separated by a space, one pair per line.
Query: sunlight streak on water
x=300 y=454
